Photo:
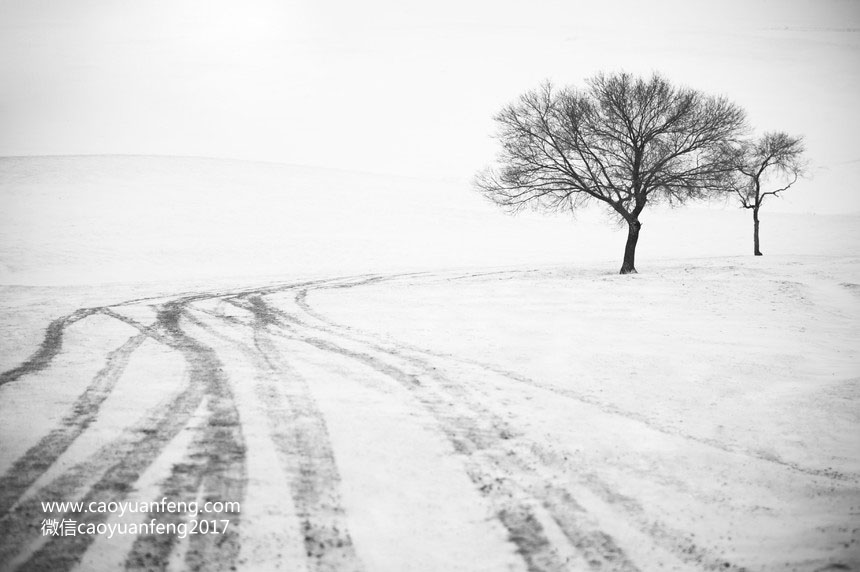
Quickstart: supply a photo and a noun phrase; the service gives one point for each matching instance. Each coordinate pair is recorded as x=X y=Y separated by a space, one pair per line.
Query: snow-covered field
x=389 y=375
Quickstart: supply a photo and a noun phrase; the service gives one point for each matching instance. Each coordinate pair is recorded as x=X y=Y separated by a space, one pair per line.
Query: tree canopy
x=622 y=141
x=766 y=167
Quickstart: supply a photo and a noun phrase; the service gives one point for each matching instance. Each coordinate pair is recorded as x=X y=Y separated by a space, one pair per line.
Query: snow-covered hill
x=85 y=220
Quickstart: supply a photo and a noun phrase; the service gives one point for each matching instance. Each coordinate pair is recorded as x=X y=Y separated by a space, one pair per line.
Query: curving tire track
x=403 y=349
x=302 y=441
x=106 y=476
x=509 y=471
x=482 y=431
x=549 y=508
x=485 y=440
x=51 y=345
x=298 y=431
x=516 y=514
x=213 y=464
x=498 y=460
x=41 y=456
x=110 y=474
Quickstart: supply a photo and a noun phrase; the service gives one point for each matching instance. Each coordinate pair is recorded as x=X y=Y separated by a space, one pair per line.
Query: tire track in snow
x=525 y=482
x=524 y=528
x=673 y=541
x=600 y=547
x=153 y=431
x=111 y=472
x=300 y=435
x=214 y=463
x=51 y=345
x=497 y=471
x=607 y=408
x=42 y=455
x=481 y=438
x=121 y=463
x=108 y=475
x=147 y=330
x=302 y=442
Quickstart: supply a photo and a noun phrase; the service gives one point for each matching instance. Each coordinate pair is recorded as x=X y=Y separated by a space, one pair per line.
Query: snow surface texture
x=333 y=351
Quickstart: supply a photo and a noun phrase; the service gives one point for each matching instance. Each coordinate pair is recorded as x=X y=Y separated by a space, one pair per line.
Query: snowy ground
x=370 y=412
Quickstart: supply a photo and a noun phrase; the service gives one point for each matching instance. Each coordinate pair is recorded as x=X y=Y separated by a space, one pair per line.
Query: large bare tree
x=766 y=167
x=622 y=141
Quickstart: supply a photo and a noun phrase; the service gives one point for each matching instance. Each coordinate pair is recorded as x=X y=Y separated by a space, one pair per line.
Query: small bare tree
x=622 y=141
x=764 y=167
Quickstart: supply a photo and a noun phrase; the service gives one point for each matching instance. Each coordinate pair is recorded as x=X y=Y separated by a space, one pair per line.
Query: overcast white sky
x=407 y=88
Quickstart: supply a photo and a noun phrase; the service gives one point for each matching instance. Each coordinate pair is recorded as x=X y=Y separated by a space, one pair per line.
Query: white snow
x=704 y=410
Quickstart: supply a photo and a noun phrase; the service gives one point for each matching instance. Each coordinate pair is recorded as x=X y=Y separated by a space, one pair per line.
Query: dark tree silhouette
x=622 y=141
x=764 y=167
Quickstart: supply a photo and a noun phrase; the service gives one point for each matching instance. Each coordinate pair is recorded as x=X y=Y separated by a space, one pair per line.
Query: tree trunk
x=629 y=266
x=756 y=250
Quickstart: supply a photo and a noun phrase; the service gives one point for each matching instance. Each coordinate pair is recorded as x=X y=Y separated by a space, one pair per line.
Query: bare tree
x=773 y=162
x=622 y=141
